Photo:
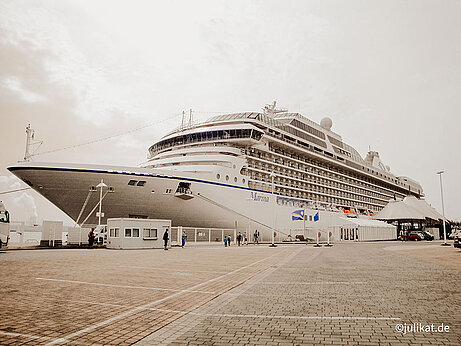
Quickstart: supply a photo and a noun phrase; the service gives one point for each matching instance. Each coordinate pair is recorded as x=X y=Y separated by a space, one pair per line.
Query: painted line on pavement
x=289 y=317
x=124 y=286
x=25 y=335
x=314 y=283
x=173 y=271
x=282 y=316
x=148 y=305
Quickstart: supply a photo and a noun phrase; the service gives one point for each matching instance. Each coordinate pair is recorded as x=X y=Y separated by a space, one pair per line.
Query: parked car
x=426 y=235
x=457 y=240
x=414 y=236
x=100 y=235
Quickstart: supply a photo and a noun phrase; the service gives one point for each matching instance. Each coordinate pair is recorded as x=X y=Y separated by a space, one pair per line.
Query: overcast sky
x=387 y=72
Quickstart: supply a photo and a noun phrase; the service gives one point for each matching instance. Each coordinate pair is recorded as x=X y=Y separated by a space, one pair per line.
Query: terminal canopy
x=410 y=208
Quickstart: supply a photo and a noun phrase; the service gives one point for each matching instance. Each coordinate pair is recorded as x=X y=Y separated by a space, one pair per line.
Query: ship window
x=127 y=232
x=183 y=187
x=235 y=179
x=135 y=232
x=141 y=183
x=243 y=180
x=227 y=177
x=218 y=176
x=132 y=182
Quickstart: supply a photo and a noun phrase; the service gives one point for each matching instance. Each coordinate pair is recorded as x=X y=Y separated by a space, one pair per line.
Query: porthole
x=227 y=177
x=218 y=176
x=243 y=180
x=235 y=179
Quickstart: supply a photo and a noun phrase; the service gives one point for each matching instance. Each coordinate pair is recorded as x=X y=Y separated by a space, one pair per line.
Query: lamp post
x=443 y=210
x=273 y=209
x=101 y=185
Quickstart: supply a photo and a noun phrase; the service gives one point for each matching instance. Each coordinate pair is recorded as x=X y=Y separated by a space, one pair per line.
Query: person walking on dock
x=229 y=239
x=239 y=239
x=91 y=237
x=225 y=241
x=183 y=238
x=165 y=239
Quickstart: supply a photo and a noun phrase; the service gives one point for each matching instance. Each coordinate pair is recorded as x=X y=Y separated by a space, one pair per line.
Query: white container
x=127 y=233
x=51 y=233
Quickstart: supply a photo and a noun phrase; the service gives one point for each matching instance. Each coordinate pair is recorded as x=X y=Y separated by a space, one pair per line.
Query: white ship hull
x=210 y=205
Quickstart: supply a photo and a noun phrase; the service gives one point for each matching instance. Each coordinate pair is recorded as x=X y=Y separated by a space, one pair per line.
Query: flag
x=297 y=215
x=316 y=217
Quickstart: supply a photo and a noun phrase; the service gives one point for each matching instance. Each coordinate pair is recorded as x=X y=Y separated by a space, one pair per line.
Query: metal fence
x=196 y=235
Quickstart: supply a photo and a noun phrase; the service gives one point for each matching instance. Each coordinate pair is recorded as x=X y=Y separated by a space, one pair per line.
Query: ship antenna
x=182 y=119
x=30 y=135
x=190 y=117
x=272 y=110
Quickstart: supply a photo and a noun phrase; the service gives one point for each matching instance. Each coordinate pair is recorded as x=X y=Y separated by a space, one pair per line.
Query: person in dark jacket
x=91 y=237
x=165 y=239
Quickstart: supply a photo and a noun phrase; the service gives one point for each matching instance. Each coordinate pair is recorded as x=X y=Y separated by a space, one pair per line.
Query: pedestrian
x=229 y=239
x=239 y=238
x=183 y=238
x=225 y=241
x=245 y=239
x=165 y=239
x=91 y=237
x=255 y=237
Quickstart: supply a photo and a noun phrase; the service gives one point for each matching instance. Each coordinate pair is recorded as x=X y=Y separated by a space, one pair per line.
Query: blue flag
x=316 y=217
x=297 y=215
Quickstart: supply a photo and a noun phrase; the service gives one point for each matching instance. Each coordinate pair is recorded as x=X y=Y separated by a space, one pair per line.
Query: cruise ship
x=270 y=170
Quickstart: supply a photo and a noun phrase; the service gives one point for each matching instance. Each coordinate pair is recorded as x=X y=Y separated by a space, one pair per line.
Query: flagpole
x=304 y=222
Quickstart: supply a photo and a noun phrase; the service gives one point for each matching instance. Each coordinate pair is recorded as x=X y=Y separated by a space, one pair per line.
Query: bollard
x=273 y=240
x=329 y=236
x=317 y=239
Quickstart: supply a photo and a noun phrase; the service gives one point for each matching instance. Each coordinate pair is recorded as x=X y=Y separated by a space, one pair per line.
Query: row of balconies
x=302 y=180
x=309 y=188
x=310 y=196
x=345 y=173
x=321 y=172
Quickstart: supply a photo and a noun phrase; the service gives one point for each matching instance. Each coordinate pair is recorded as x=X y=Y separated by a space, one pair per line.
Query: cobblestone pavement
x=100 y=296
x=355 y=293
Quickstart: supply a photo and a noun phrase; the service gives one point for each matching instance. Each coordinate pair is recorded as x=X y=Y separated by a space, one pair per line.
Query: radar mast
x=270 y=109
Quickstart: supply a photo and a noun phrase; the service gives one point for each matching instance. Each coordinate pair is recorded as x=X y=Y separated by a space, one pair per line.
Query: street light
x=101 y=185
x=272 y=175
x=443 y=210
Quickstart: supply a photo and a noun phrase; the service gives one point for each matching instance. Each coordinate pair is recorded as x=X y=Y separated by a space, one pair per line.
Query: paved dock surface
x=352 y=293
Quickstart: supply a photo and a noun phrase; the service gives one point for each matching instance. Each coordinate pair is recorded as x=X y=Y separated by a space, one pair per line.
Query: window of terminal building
x=150 y=233
x=114 y=232
x=135 y=232
x=127 y=232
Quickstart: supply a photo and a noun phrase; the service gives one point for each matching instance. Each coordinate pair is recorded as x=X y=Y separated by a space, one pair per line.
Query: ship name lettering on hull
x=259 y=197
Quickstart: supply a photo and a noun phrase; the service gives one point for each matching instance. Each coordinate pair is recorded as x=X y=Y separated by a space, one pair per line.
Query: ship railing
x=202 y=234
